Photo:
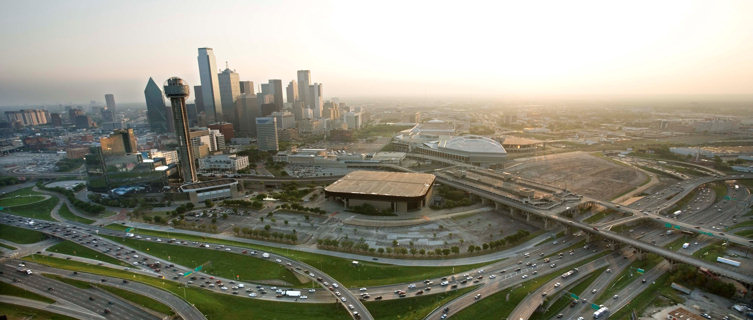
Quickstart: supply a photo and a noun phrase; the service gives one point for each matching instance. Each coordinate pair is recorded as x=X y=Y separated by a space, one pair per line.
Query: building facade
x=225 y=163
x=266 y=134
x=230 y=89
x=210 y=87
x=156 y=111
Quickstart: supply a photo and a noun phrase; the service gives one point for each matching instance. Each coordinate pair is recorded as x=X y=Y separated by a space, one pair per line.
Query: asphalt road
x=97 y=301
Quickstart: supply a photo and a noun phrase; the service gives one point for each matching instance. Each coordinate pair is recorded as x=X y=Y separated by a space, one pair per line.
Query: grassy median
x=39 y=210
x=366 y=274
x=66 y=213
x=20 y=235
x=213 y=305
x=19 y=312
x=11 y=290
x=413 y=308
x=75 y=249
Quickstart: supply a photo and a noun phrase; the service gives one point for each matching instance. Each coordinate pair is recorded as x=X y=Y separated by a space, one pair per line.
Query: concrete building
x=247 y=87
x=383 y=191
x=292 y=92
x=275 y=86
x=285 y=120
x=177 y=91
x=156 y=111
x=230 y=89
x=353 y=120
x=247 y=110
x=210 y=86
x=266 y=134
x=198 y=99
x=211 y=190
x=225 y=128
x=110 y=102
x=120 y=142
x=317 y=99
x=518 y=144
x=170 y=156
x=223 y=163
x=304 y=81
x=27 y=117
x=211 y=139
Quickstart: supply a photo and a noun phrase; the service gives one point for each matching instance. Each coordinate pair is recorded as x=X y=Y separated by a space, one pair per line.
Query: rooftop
x=399 y=184
x=471 y=143
x=207 y=184
x=513 y=140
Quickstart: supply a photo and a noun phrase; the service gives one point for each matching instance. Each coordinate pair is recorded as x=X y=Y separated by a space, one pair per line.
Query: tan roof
x=519 y=141
x=382 y=183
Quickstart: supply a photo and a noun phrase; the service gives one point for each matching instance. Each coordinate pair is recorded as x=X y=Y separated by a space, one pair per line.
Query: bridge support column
x=512 y=211
x=528 y=217
x=672 y=265
x=497 y=206
x=485 y=201
x=546 y=224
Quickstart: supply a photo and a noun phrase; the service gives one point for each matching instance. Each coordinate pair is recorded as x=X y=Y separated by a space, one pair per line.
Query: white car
x=524 y=276
x=492 y=276
x=444 y=283
x=335 y=285
x=278 y=260
x=343 y=299
x=240 y=285
x=223 y=288
x=362 y=289
x=252 y=294
x=312 y=290
x=304 y=297
x=557 y=285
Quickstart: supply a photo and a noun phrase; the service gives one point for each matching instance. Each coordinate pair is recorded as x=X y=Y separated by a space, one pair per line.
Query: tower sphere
x=176 y=88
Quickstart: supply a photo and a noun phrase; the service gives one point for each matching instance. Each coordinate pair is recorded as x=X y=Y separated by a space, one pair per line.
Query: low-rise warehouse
x=394 y=191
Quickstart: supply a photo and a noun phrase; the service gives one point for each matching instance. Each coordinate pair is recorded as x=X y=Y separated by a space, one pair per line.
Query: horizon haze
x=76 y=51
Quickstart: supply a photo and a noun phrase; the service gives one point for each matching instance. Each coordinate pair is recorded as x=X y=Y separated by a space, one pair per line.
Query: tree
x=380 y=250
x=471 y=248
x=208 y=203
x=455 y=249
x=224 y=216
x=267 y=227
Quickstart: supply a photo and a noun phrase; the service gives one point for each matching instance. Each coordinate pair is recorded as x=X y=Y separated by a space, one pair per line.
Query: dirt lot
x=579 y=172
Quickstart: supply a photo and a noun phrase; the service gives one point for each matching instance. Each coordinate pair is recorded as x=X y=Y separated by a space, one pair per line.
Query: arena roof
x=472 y=143
x=380 y=183
x=513 y=140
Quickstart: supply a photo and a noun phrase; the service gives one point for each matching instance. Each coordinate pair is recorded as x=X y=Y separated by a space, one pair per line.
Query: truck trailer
x=728 y=261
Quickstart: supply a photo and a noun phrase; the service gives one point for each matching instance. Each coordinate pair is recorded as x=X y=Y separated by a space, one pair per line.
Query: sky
x=62 y=52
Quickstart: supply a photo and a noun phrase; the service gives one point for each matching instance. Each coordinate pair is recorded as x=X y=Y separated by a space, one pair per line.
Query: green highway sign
x=595 y=307
x=668 y=225
x=187 y=273
x=572 y=295
x=640 y=270
x=197 y=268
x=129 y=230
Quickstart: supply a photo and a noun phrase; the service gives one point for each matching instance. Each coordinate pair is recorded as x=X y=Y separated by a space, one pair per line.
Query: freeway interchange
x=486 y=281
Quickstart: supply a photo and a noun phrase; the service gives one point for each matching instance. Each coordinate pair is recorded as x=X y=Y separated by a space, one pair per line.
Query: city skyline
x=427 y=49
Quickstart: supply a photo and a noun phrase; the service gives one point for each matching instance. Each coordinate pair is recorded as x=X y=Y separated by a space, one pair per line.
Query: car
x=337 y=293
x=304 y=297
x=343 y=299
x=362 y=289
x=615 y=297
x=492 y=276
x=378 y=298
x=593 y=291
x=312 y=290
x=524 y=276
x=557 y=285
x=478 y=296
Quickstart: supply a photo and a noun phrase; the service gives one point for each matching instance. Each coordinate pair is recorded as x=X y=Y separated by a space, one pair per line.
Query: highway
x=180 y=306
x=86 y=235
x=674 y=256
x=96 y=301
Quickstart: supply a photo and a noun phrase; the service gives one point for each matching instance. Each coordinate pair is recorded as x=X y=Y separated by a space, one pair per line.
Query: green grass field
x=677 y=244
x=413 y=308
x=75 y=249
x=11 y=290
x=498 y=306
x=711 y=252
x=743 y=224
x=223 y=264
x=39 y=210
x=7 y=246
x=598 y=216
x=19 y=312
x=628 y=275
x=76 y=283
x=745 y=233
x=366 y=274
x=20 y=235
x=19 y=200
x=720 y=189
x=213 y=305
x=66 y=213
x=28 y=191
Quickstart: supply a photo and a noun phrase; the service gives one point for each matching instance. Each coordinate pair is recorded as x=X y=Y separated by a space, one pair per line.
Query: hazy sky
x=76 y=51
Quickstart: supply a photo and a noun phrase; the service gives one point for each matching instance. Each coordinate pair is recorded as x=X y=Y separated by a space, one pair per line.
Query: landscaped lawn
x=413 y=308
x=213 y=305
x=39 y=210
x=11 y=290
x=20 y=235
x=66 y=213
x=75 y=249
x=629 y=275
x=221 y=263
x=366 y=274
x=565 y=299
x=19 y=200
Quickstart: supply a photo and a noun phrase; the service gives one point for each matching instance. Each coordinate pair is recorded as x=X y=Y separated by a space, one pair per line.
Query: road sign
x=668 y=225
x=198 y=268
x=187 y=273
x=572 y=295
x=595 y=306
x=129 y=229
x=641 y=271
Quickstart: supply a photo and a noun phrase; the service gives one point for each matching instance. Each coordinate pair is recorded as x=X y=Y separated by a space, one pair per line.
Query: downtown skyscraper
x=156 y=111
x=230 y=89
x=210 y=86
x=304 y=81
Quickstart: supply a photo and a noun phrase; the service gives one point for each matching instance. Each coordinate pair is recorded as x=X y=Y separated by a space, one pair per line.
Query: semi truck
x=728 y=261
x=602 y=313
